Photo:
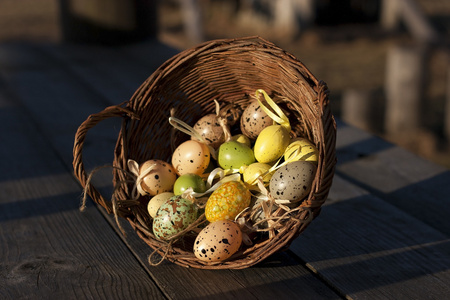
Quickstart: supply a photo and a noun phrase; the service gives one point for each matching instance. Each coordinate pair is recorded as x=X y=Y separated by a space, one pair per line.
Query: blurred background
x=386 y=62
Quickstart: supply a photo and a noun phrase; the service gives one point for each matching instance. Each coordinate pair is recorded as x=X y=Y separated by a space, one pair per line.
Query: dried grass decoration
x=232 y=135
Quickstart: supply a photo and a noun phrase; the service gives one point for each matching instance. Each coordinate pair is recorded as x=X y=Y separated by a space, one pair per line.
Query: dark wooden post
x=108 y=21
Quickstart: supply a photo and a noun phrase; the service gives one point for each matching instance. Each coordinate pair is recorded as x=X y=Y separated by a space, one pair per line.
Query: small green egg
x=189 y=180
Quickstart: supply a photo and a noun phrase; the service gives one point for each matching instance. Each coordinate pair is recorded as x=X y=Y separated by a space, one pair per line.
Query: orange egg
x=191 y=157
x=218 y=241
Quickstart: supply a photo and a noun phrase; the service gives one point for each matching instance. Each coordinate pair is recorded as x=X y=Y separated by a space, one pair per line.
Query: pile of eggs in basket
x=258 y=169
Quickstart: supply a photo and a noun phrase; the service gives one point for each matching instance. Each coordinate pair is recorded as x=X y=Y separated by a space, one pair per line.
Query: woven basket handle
x=80 y=136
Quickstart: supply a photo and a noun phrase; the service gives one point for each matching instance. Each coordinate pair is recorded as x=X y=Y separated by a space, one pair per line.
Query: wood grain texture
x=70 y=89
x=397 y=176
x=47 y=247
x=370 y=249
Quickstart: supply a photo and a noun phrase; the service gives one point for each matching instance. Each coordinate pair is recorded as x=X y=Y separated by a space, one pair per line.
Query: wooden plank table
x=383 y=234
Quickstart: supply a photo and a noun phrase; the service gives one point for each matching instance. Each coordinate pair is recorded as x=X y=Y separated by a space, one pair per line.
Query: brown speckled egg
x=191 y=157
x=160 y=179
x=218 y=241
x=254 y=120
x=292 y=181
x=174 y=216
x=211 y=130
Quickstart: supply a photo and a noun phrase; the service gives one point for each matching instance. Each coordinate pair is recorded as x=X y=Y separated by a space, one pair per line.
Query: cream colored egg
x=157 y=201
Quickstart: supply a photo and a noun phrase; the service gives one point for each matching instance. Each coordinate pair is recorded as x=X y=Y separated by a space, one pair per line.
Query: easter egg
x=210 y=129
x=227 y=201
x=254 y=120
x=160 y=176
x=173 y=216
x=156 y=201
x=191 y=157
x=301 y=149
x=186 y=181
x=233 y=155
x=218 y=241
x=292 y=181
x=241 y=138
x=271 y=143
x=251 y=173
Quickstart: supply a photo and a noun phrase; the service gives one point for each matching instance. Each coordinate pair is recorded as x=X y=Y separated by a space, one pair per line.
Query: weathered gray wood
x=399 y=177
x=49 y=249
x=372 y=242
x=369 y=249
x=73 y=96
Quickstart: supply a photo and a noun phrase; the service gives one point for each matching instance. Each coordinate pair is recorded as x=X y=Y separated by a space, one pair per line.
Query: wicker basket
x=229 y=71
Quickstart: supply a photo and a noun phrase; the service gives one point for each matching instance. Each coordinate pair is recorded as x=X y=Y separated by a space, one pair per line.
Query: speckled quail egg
x=292 y=181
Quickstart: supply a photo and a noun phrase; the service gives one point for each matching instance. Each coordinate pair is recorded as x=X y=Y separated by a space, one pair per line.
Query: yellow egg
x=227 y=201
x=241 y=138
x=301 y=149
x=271 y=143
x=251 y=173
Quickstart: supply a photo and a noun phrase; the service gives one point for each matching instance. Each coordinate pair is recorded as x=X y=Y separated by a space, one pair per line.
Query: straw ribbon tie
x=279 y=116
x=133 y=167
x=221 y=173
x=185 y=128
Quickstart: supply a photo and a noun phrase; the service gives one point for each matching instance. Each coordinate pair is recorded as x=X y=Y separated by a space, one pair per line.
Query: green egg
x=189 y=180
x=233 y=155
x=271 y=143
